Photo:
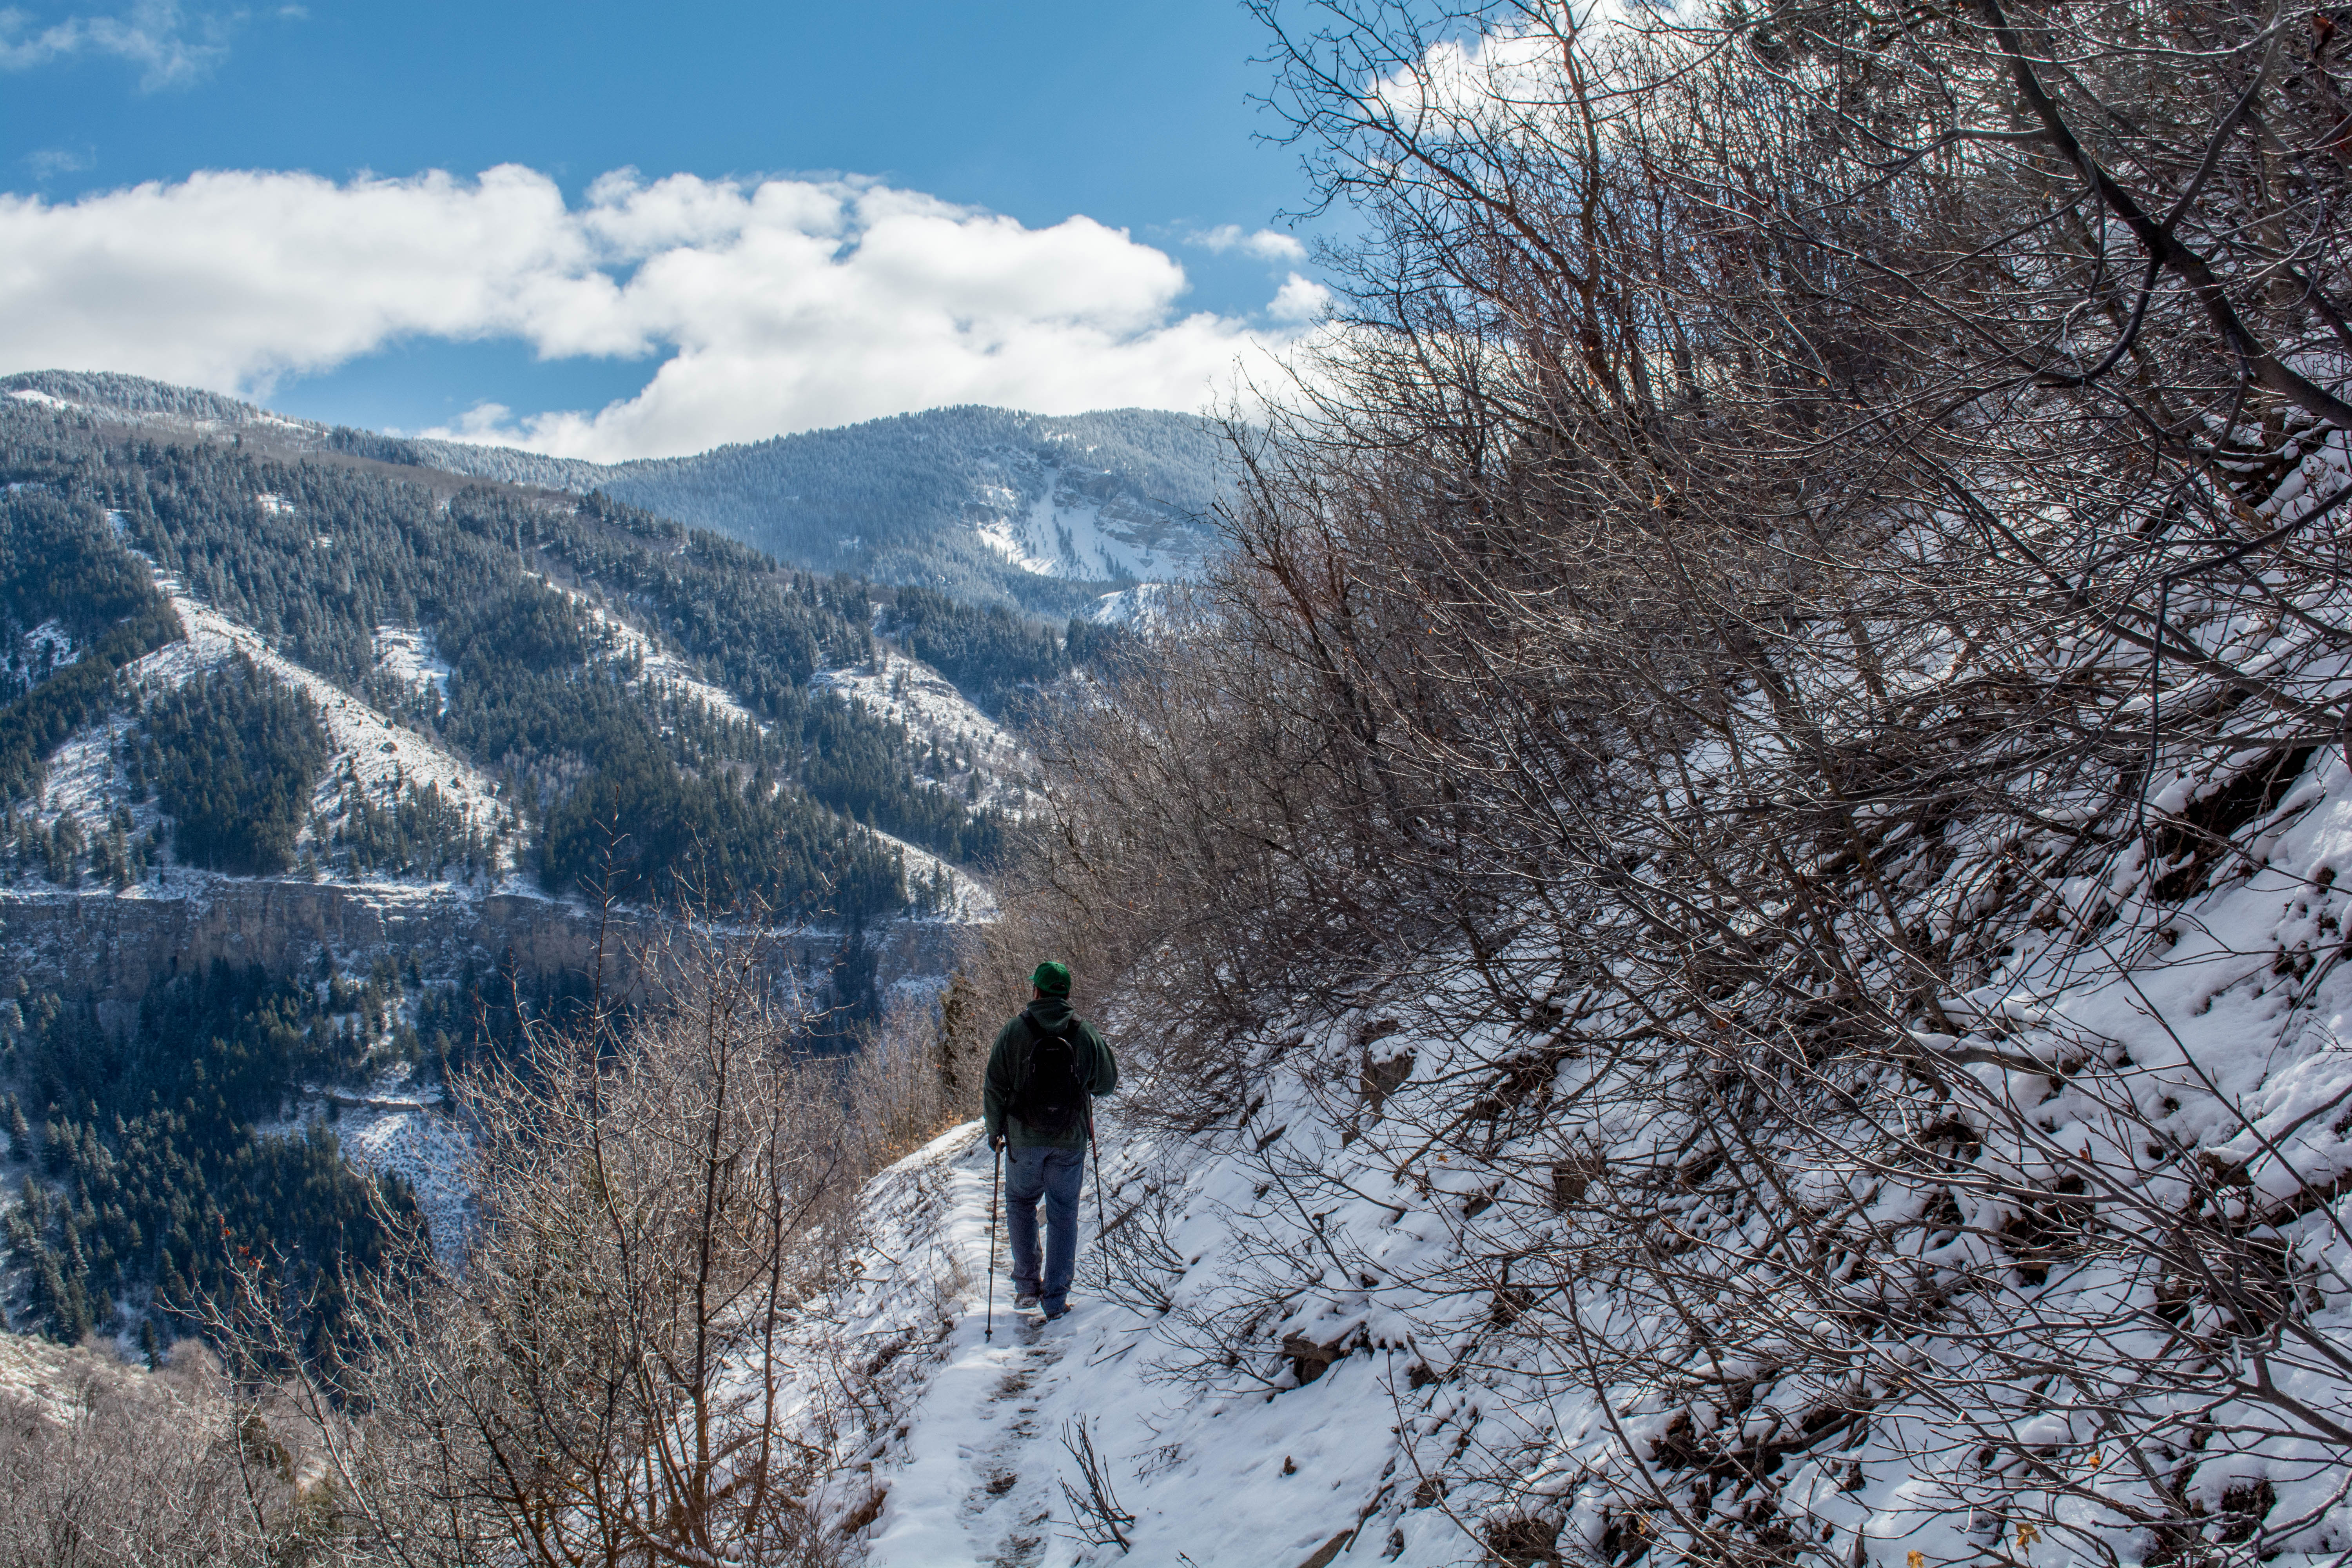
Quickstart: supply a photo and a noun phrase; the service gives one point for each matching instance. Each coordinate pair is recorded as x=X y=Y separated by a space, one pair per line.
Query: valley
x=342 y=719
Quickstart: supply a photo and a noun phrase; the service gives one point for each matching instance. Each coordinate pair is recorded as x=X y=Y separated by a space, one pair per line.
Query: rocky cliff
x=110 y=947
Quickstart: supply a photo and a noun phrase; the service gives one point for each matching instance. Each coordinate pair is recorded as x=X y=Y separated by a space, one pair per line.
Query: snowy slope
x=366 y=745
x=1353 y=1215
x=1063 y=534
x=661 y=668
x=1142 y=608
x=910 y=692
x=1090 y=497
x=968 y=901
x=179 y=410
x=1244 y=1474
x=382 y=756
x=365 y=742
x=926 y=715
x=393 y=1129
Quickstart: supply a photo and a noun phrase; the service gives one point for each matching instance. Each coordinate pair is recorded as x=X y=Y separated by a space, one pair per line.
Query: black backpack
x=1052 y=1096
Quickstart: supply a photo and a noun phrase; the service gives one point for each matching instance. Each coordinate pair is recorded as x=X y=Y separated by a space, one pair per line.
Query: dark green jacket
x=1008 y=1065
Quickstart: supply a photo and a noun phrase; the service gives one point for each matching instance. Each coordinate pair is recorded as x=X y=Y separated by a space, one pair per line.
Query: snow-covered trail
x=972 y=1466
x=980 y=1485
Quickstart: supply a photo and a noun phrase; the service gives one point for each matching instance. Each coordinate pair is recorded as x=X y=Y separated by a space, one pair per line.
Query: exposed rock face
x=110 y=948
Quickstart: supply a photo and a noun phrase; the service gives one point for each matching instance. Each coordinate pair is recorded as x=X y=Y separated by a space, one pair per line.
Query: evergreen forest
x=152 y=1177
x=888 y=497
x=233 y=756
x=582 y=644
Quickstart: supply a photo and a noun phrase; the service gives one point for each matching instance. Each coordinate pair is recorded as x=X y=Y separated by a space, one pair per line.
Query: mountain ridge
x=1042 y=513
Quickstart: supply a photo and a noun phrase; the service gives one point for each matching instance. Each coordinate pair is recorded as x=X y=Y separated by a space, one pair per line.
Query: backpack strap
x=1039 y=1034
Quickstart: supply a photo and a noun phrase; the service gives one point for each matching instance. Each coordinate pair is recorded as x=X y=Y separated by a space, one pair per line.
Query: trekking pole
x=1102 y=1226
x=996 y=1174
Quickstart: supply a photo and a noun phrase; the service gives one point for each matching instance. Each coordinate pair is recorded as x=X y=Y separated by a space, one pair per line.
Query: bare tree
x=603 y=1373
x=1814 y=523
x=118 y=1466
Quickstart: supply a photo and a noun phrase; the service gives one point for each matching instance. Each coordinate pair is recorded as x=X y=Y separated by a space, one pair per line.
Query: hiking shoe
x=1061 y=1311
x=1024 y=1302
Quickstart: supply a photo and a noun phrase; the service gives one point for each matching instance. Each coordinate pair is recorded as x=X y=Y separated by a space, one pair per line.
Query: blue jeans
x=1055 y=1175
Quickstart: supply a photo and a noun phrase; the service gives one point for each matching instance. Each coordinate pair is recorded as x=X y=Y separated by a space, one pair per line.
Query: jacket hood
x=1049 y=1011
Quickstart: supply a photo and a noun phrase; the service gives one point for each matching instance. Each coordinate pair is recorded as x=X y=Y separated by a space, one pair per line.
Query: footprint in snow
x=1022 y=1550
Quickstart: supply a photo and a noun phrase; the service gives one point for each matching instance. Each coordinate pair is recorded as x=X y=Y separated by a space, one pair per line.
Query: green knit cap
x=1051 y=978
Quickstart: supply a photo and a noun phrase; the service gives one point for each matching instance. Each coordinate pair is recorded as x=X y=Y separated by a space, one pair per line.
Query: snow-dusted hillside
x=394 y=1128
x=658 y=667
x=1655 y=1375
x=979 y=499
x=378 y=756
x=1047 y=520
x=182 y=409
x=191 y=412
x=908 y=691
x=371 y=751
x=1216 y=1465
x=1141 y=608
x=1336 y=1230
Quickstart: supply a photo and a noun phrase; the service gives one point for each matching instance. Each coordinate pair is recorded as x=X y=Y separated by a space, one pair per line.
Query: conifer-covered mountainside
x=979 y=502
x=336 y=720
x=988 y=505
x=643 y=705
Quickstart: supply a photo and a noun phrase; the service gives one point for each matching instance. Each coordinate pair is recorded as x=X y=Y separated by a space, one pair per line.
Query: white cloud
x=782 y=305
x=1265 y=244
x=491 y=422
x=170 y=48
x=1513 y=80
x=48 y=162
x=1299 y=300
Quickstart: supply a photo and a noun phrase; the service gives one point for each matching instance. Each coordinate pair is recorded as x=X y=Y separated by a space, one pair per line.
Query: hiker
x=1045 y=1064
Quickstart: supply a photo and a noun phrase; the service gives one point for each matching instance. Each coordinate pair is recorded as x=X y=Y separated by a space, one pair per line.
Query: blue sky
x=986 y=130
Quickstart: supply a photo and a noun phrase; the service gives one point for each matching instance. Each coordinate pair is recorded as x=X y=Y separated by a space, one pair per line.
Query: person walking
x=1046 y=1070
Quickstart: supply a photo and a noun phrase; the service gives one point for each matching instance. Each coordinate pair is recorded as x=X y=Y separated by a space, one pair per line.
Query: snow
x=303 y=432
x=1330 y=1215
x=81 y=778
x=1044 y=518
x=408 y=656
x=391 y=1128
x=1233 y=1463
x=663 y=668
x=1054 y=538
x=1258 y=1474
x=366 y=743
x=426 y=1147
x=969 y=902
x=51 y=637
x=1142 y=608
x=908 y=691
x=384 y=757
